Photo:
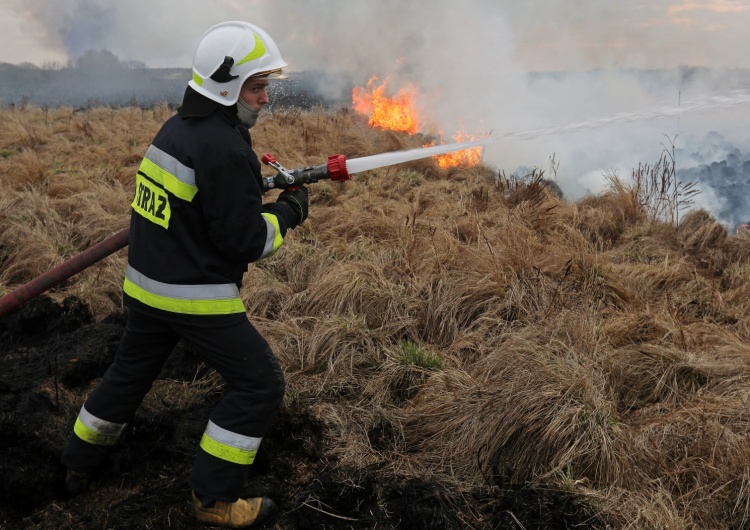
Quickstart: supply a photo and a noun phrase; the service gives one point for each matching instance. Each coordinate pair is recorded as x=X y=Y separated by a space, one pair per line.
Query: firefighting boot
x=241 y=513
x=76 y=482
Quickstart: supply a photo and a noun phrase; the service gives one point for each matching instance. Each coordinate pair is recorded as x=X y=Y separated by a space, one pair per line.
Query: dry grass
x=589 y=347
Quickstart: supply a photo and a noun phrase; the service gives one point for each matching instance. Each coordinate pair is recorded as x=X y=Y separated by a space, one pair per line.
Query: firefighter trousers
x=232 y=346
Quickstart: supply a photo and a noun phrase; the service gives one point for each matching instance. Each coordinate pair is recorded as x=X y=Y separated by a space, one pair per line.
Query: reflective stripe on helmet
x=228 y=445
x=166 y=170
x=258 y=52
x=95 y=430
x=274 y=238
x=205 y=299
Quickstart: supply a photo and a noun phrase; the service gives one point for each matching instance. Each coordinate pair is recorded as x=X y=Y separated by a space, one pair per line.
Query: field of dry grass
x=450 y=325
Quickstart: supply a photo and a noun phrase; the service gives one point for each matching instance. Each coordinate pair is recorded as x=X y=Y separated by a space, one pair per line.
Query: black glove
x=297 y=199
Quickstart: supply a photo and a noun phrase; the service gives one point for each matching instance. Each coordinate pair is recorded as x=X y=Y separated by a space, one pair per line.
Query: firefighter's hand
x=297 y=199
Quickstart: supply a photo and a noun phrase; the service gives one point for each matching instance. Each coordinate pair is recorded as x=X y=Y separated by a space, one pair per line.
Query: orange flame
x=466 y=157
x=399 y=113
x=396 y=113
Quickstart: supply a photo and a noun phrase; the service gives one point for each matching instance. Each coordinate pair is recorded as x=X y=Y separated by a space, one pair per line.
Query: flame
x=466 y=157
x=399 y=113
x=396 y=113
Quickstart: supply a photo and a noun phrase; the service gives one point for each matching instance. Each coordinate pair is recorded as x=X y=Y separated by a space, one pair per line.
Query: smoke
x=480 y=66
x=160 y=33
x=721 y=170
x=503 y=66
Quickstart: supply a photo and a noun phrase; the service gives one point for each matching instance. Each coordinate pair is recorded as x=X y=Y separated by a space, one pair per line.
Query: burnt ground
x=51 y=354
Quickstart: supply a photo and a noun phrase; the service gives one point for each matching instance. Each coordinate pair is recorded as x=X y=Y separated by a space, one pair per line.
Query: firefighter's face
x=253 y=92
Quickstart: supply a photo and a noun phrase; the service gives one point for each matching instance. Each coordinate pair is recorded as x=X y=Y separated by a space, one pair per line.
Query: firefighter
x=197 y=221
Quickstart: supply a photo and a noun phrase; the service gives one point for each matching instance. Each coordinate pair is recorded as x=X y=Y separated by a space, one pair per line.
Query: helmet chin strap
x=248 y=115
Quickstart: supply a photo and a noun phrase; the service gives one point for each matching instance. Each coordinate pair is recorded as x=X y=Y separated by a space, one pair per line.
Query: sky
x=469 y=59
x=538 y=34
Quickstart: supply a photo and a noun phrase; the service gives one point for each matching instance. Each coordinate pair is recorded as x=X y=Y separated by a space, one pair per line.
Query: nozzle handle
x=268 y=159
x=334 y=169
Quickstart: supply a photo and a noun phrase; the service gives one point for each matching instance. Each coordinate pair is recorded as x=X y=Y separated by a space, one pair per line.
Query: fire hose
x=337 y=169
x=63 y=271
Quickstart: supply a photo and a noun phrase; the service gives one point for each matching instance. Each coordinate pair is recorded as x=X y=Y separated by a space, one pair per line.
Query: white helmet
x=229 y=53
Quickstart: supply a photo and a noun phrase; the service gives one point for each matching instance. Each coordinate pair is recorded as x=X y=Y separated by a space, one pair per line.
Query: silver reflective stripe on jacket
x=201 y=299
x=217 y=291
x=274 y=238
x=166 y=170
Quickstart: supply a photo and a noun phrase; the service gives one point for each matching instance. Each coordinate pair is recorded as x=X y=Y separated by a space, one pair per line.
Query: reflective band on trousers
x=229 y=446
x=166 y=170
x=95 y=430
x=208 y=299
x=273 y=235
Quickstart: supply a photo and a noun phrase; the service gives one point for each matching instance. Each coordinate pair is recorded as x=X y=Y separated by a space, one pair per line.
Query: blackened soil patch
x=52 y=354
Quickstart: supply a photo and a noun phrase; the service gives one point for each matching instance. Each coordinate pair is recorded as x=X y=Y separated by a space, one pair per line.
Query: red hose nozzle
x=337 y=168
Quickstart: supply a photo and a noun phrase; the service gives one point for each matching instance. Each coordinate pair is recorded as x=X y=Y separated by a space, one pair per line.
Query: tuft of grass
x=411 y=354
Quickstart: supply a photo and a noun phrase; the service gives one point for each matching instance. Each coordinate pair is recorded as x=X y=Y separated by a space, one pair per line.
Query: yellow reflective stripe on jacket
x=274 y=238
x=205 y=299
x=229 y=446
x=95 y=430
x=166 y=170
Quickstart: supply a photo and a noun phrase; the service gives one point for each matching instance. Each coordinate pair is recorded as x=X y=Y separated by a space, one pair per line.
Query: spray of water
x=356 y=165
x=703 y=103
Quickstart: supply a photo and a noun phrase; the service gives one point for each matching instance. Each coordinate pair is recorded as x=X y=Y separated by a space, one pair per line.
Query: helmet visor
x=271 y=74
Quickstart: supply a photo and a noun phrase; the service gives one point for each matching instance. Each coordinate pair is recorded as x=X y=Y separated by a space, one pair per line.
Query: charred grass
x=461 y=350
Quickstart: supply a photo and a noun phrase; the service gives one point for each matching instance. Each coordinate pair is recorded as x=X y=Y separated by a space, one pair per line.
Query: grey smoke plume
x=504 y=66
x=479 y=65
x=160 y=33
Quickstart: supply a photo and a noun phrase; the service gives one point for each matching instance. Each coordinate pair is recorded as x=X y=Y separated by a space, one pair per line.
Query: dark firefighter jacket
x=198 y=218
